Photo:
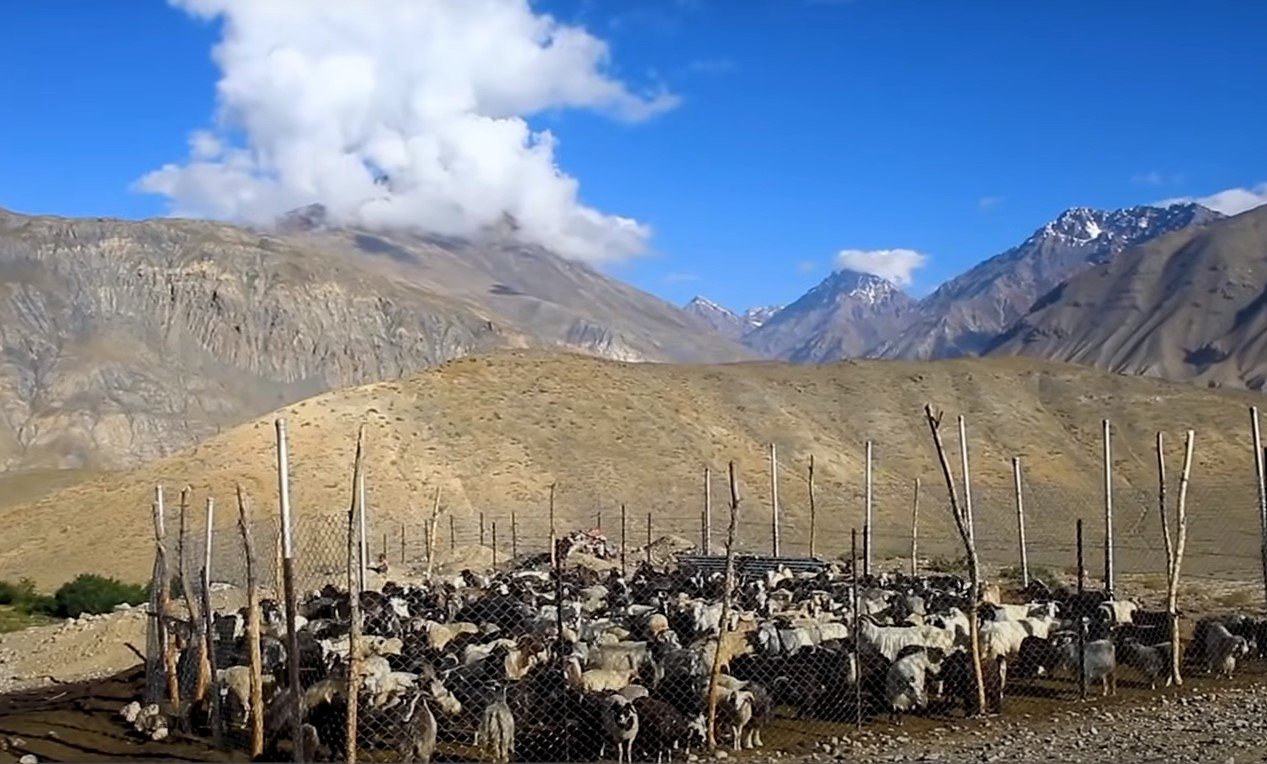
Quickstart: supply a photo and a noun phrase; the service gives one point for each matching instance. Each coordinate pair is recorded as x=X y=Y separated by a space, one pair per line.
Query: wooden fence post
x=453 y=533
x=706 y=532
x=162 y=584
x=963 y=523
x=288 y=581
x=494 y=545
x=1261 y=481
x=866 y=523
x=915 y=531
x=514 y=536
x=433 y=533
x=857 y=623
x=813 y=512
x=252 y=626
x=1175 y=549
x=192 y=605
x=481 y=529
x=1020 y=520
x=1108 y=510
x=217 y=718
x=554 y=539
x=774 y=501
x=967 y=479
x=356 y=568
x=624 y=544
x=402 y=543
x=729 y=585
x=648 y=538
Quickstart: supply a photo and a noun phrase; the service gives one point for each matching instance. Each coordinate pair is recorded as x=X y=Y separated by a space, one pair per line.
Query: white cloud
x=896 y=265
x=987 y=203
x=1230 y=201
x=1155 y=178
x=403 y=113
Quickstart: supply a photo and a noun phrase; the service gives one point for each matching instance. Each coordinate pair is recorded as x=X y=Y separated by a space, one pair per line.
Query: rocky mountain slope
x=1188 y=306
x=124 y=341
x=966 y=313
x=495 y=432
x=844 y=315
x=725 y=321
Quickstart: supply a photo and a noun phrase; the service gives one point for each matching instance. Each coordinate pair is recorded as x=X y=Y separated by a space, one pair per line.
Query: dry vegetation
x=495 y=431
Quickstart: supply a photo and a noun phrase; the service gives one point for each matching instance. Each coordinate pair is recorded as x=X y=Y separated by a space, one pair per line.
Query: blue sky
x=804 y=127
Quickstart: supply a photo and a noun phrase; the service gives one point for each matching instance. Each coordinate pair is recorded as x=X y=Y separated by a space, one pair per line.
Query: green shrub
x=93 y=594
x=1044 y=576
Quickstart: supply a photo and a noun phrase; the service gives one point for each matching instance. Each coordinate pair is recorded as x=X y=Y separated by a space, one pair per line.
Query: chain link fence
x=478 y=641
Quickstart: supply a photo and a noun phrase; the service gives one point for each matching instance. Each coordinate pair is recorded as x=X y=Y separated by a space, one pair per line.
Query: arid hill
x=125 y=341
x=494 y=432
x=1188 y=306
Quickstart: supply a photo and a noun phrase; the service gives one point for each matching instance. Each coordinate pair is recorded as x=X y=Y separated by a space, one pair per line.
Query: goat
x=1100 y=663
x=905 y=682
x=1037 y=657
x=597 y=680
x=496 y=733
x=1153 y=661
x=1119 y=611
x=420 y=730
x=1222 y=648
x=663 y=729
x=619 y=719
x=735 y=711
x=890 y=640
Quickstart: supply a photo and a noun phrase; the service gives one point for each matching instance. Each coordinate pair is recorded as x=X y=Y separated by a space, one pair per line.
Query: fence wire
x=475 y=646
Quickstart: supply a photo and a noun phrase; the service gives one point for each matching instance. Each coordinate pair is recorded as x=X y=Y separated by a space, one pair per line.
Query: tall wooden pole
x=481 y=529
x=1020 y=520
x=433 y=533
x=857 y=624
x=706 y=532
x=402 y=543
x=866 y=528
x=217 y=717
x=494 y=528
x=1082 y=620
x=356 y=573
x=648 y=538
x=729 y=586
x=774 y=501
x=624 y=543
x=362 y=532
x=162 y=598
x=252 y=626
x=915 y=531
x=1108 y=510
x=813 y=512
x=288 y=581
x=1260 y=479
x=514 y=536
x=967 y=480
x=192 y=606
x=554 y=539
x=453 y=533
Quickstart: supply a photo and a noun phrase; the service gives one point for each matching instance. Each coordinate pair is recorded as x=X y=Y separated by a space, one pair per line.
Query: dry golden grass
x=496 y=431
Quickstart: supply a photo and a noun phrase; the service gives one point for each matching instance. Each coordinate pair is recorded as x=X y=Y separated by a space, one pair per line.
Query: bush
x=94 y=594
x=18 y=594
x=1045 y=576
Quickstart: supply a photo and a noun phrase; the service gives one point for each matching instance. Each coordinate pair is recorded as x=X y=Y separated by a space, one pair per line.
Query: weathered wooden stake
x=494 y=545
x=813 y=512
x=433 y=531
x=402 y=543
x=1020 y=520
x=1260 y=479
x=715 y=672
x=598 y=521
x=648 y=537
x=1108 y=509
x=1082 y=620
x=362 y=532
x=554 y=539
x=192 y=605
x=915 y=531
x=252 y=626
x=967 y=479
x=207 y=614
x=866 y=522
x=288 y=582
x=384 y=546
x=857 y=623
x=356 y=568
x=514 y=536
x=1174 y=549
x=774 y=501
x=963 y=523
x=163 y=591
x=624 y=543
x=481 y=529
x=706 y=532
x=453 y=533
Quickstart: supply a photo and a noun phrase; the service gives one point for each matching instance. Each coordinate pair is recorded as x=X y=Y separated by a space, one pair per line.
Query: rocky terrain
x=1188 y=306
x=125 y=341
x=727 y=322
x=493 y=433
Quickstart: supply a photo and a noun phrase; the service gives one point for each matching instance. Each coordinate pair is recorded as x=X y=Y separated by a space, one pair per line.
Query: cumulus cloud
x=403 y=113
x=1230 y=201
x=896 y=265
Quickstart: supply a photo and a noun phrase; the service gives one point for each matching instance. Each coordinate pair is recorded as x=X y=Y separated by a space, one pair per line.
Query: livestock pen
x=438 y=637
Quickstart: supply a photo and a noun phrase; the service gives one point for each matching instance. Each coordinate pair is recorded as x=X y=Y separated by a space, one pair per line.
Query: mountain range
x=124 y=341
x=852 y=315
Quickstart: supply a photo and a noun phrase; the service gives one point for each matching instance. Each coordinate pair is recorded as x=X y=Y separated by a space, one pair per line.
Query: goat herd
x=480 y=666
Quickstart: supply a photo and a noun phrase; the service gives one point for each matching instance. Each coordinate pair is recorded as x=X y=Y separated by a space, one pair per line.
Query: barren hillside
x=494 y=432
x=1189 y=306
x=125 y=341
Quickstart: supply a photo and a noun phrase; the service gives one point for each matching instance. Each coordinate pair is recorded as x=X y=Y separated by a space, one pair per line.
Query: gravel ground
x=1193 y=725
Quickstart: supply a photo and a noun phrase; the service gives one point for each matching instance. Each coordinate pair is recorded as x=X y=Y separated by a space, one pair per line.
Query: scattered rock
x=30 y=758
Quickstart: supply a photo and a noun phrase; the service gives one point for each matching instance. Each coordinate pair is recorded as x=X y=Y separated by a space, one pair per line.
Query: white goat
x=496 y=733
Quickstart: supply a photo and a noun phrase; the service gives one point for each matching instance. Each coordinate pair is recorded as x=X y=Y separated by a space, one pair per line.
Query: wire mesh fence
x=474 y=637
